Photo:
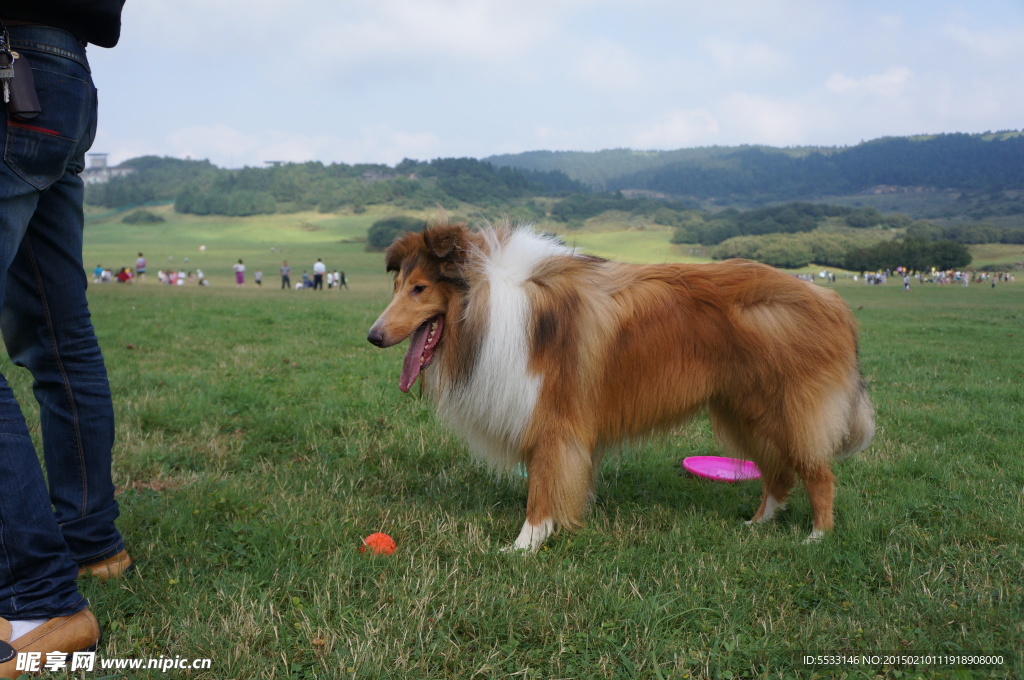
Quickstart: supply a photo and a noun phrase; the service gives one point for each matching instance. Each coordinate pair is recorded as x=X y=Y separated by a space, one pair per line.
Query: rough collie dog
x=545 y=357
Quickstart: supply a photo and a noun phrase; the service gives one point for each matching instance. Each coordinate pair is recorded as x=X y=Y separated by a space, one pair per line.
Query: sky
x=242 y=82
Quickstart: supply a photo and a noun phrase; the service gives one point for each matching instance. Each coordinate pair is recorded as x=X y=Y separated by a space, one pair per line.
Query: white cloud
x=992 y=43
x=229 y=147
x=891 y=83
x=736 y=58
x=221 y=144
x=355 y=31
x=753 y=119
x=608 y=67
x=383 y=144
x=676 y=129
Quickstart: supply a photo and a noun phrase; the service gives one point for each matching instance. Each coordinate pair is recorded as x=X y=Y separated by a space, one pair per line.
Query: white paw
x=814 y=537
x=532 y=536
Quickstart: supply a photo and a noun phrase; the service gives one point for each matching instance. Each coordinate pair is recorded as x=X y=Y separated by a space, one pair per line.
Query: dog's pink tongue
x=411 y=367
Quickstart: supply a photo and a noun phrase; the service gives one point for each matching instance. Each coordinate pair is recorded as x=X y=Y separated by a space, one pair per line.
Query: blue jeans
x=45 y=533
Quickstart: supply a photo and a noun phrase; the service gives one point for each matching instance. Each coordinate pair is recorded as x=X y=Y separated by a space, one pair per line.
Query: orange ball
x=379 y=544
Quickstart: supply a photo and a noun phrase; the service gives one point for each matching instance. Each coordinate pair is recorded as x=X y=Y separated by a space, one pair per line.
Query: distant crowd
x=321 y=277
x=949 y=277
x=825 y=275
x=179 y=277
x=962 y=278
x=333 y=279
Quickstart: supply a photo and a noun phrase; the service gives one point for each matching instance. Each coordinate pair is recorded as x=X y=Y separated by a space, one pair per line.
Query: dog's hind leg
x=777 y=485
x=820 y=484
x=560 y=483
x=737 y=440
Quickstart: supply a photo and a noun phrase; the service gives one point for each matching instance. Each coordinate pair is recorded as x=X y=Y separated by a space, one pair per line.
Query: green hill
x=758 y=174
x=830 y=203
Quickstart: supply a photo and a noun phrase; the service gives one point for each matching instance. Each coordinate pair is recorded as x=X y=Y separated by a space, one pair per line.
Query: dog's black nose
x=375 y=337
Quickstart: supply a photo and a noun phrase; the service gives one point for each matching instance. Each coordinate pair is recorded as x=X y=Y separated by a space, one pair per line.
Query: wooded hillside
x=950 y=161
x=740 y=201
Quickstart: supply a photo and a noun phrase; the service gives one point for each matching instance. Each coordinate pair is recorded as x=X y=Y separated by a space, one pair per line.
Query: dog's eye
x=416 y=290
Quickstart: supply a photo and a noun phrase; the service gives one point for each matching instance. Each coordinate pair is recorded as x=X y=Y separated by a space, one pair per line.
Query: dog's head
x=430 y=273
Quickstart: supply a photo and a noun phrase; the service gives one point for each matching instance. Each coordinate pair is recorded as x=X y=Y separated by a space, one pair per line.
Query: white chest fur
x=495 y=407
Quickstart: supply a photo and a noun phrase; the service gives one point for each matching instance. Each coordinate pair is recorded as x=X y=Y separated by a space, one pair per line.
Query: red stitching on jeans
x=34 y=128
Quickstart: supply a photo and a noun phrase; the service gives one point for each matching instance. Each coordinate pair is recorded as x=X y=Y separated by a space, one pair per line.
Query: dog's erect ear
x=449 y=244
x=445 y=240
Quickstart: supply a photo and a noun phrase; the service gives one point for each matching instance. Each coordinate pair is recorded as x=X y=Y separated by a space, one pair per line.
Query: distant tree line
x=154 y=179
x=794 y=235
x=855 y=251
x=790 y=218
x=825 y=247
x=913 y=254
x=962 y=162
x=383 y=232
x=197 y=187
x=966 y=233
x=576 y=208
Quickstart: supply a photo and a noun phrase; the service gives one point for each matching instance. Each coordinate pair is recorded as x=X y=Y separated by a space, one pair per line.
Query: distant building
x=98 y=172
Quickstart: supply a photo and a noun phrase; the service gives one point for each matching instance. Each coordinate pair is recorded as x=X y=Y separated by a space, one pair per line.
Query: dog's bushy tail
x=861 y=423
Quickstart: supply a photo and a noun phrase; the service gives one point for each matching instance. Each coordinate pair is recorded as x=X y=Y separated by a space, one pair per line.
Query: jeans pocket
x=40 y=151
x=39 y=155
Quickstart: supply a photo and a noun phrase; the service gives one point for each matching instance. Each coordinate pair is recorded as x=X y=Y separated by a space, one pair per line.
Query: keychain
x=19 y=85
x=7 y=59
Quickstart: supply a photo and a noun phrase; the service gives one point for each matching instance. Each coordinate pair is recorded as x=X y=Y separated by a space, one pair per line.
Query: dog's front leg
x=560 y=482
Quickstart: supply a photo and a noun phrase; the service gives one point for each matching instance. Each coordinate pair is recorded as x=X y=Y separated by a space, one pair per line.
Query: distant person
x=57 y=526
x=319 y=268
x=286 y=276
x=258 y=277
x=239 y=268
x=97 y=274
x=343 y=281
x=306 y=283
x=140 y=268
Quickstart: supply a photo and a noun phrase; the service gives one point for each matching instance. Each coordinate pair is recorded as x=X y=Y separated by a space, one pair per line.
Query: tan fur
x=623 y=350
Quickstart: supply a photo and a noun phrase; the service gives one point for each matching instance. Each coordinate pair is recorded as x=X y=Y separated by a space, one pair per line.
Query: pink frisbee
x=721 y=469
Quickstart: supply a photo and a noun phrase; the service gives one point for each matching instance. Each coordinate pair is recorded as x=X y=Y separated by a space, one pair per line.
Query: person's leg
x=37 y=575
x=45 y=318
x=47 y=329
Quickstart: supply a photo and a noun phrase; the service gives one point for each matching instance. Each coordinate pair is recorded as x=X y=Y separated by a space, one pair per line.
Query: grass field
x=263 y=242
x=997 y=254
x=260 y=437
